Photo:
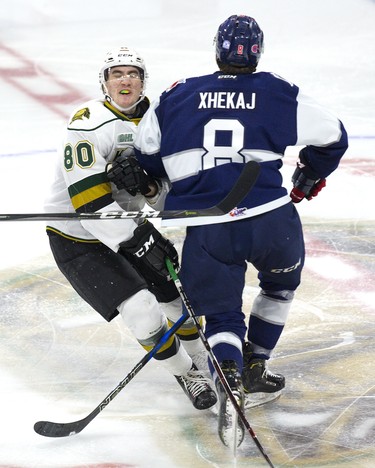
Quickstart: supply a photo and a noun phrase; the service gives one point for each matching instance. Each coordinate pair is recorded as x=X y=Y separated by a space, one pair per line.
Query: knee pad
x=144 y=317
x=173 y=309
x=273 y=306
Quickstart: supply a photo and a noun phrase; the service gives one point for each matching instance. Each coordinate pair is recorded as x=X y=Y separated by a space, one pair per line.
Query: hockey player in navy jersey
x=198 y=135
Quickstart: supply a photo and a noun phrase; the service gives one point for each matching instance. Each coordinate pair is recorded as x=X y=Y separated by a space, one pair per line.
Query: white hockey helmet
x=123 y=57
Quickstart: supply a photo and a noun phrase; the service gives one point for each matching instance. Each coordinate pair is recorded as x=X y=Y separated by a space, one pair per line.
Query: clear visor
x=115 y=74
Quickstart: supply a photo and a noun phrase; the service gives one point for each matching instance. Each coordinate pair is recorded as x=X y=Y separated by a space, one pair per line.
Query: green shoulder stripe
x=91 y=129
x=88 y=190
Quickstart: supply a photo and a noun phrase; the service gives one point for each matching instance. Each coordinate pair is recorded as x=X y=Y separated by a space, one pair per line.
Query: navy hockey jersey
x=201 y=131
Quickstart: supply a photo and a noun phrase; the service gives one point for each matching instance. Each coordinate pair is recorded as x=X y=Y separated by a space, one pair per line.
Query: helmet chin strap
x=124 y=110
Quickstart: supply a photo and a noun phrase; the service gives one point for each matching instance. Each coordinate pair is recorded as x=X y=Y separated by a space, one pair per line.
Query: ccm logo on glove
x=145 y=247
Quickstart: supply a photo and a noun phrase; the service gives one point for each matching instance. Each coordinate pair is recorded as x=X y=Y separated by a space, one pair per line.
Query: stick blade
x=52 y=429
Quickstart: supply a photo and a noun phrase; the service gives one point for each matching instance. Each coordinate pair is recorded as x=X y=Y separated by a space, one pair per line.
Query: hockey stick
x=215 y=363
x=240 y=189
x=51 y=429
x=55 y=429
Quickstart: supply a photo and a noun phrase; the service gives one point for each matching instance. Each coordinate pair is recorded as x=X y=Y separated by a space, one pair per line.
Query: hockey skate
x=230 y=426
x=260 y=384
x=200 y=359
x=197 y=388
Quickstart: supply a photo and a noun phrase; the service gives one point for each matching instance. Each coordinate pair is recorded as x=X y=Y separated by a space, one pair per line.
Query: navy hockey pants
x=214 y=263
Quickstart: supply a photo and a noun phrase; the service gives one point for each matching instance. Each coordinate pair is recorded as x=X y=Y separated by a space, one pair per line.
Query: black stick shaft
x=54 y=429
x=215 y=363
x=240 y=189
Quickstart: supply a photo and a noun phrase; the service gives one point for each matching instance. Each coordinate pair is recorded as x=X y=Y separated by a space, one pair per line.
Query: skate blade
x=232 y=436
x=252 y=400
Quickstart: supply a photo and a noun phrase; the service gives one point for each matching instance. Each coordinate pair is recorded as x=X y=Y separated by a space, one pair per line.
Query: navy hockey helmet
x=239 y=41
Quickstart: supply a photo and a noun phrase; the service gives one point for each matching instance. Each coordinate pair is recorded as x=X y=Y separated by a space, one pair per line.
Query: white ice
x=326 y=47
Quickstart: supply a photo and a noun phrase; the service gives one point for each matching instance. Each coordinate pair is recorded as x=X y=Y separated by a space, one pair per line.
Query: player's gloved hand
x=317 y=187
x=305 y=187
x=147 y=251
x=306 y=183
x=126 y=174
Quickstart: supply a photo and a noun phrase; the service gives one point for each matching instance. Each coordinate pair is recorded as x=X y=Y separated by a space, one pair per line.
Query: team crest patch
x=125 y=138
x=79 y=115
x=237 y=212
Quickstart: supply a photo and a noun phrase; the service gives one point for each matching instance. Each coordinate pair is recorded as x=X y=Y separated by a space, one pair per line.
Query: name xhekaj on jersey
x=226 y=100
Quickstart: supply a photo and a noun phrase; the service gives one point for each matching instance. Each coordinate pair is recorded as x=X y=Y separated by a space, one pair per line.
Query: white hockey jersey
x=97 y=132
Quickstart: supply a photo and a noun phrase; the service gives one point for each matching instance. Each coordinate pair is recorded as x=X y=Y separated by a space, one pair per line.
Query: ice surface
x=49 y=357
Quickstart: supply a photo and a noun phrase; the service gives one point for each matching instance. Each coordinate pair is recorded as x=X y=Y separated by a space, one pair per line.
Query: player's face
x=124 y=85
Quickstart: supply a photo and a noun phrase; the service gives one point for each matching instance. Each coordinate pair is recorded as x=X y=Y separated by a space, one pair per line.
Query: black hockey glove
x=147 y=251
x=306 y=183
x=126 y=174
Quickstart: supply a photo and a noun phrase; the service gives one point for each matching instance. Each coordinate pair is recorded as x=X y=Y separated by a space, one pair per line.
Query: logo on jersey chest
x=79 y=115
x=226 y=100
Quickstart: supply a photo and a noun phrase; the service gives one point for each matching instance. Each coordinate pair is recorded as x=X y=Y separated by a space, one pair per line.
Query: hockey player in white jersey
x=101 y=259
x=198 y=135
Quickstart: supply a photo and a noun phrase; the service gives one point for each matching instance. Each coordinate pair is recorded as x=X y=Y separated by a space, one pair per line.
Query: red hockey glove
x=317 y=187
x=305 y=187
